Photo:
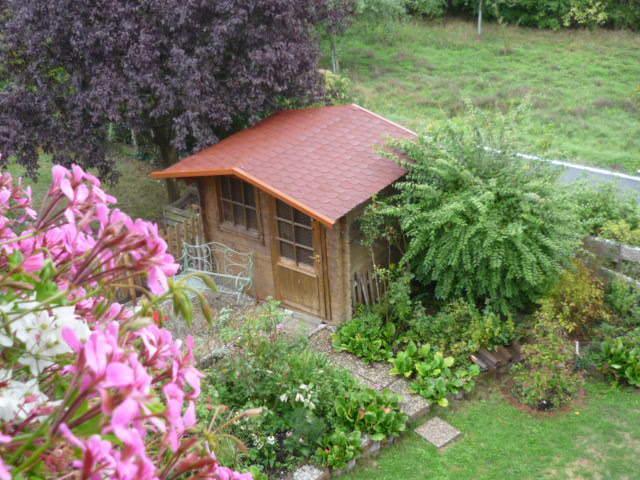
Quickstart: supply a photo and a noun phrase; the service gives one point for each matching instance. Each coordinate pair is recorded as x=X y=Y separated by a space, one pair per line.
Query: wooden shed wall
x=337 y=249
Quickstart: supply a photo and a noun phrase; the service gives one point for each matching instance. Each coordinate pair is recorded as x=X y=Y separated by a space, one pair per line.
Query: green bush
x=297 y=390
x=621 y=231
x=479 y=224
x=435 y=377
x=339 y=448
x=604 y=205
x=380 y=419
x=426 y=8
x=620 y=358
x=546 y=378
x=576 y=304
x=624 y=301
x=367 y=336
x=460 y=329
x=374 y=331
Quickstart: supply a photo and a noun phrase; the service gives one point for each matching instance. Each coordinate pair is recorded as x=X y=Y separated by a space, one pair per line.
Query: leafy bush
x=382 y=417
x=337 y=88
x=339 y=448
x=435 y=377
x=298 y=391
x=546 y=378
x=426 y=8
x=620 y=357
x=621 y=231
x=624 y=301
x=605 y=205
x=478 y=223
x=576 y=304
x=373 y=332
x=367 y=336
x=460 y=329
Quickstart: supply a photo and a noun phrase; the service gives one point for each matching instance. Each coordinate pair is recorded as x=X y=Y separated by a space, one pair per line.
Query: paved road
x=573 y=172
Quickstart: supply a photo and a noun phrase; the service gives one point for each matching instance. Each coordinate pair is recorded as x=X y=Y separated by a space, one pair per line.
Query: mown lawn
x=597 y=439
x=137 y=193
x=583 y=85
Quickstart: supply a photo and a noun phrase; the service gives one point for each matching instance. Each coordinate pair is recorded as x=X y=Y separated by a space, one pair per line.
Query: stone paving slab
x=438 y=432
x=412 y=404
x=310 y=472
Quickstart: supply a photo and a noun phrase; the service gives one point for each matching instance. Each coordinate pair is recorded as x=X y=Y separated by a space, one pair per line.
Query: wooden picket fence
x=179 y=226
x=367 y=289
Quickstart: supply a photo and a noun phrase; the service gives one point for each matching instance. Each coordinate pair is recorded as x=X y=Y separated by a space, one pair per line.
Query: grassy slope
x=583 y=85
x=137 y=193
x=600 y=439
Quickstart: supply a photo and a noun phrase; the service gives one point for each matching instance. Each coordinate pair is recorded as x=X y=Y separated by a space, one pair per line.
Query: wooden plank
x=630 y=254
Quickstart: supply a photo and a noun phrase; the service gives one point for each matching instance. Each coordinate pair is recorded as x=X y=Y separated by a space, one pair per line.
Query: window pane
x=284 y=210
x=236 y=190
x=227 y=213
x=226 y=189
x=252 y=219
x=238 y=215
x=285 y=230
x=287 y=250
x=304 y=256
x=302 y=218
x=304 y=237
x=249 y=195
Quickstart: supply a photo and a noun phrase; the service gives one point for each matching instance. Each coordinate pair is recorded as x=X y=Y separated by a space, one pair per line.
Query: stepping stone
x=438 y=432
x=309 y=472
x=376 y=374
x=412 y=404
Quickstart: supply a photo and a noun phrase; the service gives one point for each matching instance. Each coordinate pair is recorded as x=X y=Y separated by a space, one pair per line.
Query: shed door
x=299 y=260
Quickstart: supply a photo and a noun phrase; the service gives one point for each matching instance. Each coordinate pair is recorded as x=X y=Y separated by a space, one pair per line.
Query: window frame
x=232 y=226
x=293 y=242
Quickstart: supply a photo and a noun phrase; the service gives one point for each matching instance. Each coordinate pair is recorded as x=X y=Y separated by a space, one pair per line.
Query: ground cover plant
x=418 y=73
x=90 y=388
x=597 y=438
x=311 y=411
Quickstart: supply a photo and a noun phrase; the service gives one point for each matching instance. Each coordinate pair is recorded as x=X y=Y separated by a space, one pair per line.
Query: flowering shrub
x=312 y=411
x=89 y=388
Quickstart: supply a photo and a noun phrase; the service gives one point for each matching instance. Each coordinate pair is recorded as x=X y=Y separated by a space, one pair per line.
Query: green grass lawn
x=597 y=439
x=583 y=85
x=137 y=193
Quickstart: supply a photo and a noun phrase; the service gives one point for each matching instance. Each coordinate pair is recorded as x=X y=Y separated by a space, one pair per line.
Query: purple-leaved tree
x=182 y=73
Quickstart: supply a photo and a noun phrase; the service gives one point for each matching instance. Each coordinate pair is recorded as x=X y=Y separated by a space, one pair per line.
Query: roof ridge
x=390 y=122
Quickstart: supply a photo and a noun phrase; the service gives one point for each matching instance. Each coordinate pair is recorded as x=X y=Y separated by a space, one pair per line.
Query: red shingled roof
x=323 y=161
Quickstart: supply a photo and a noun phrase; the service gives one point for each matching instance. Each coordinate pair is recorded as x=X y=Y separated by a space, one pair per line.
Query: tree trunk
x=168 y=156
x=334 y=55
x=480 y=18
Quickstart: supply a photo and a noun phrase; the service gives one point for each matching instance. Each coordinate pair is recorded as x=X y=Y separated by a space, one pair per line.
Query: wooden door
x=299 y=260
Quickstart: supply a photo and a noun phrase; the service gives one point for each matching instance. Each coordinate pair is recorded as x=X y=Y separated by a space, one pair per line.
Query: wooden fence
x=367 y=289
x=614 y=259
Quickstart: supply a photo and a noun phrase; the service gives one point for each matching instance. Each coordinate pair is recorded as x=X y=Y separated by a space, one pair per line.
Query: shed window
x=238 y=204
x=295 y=234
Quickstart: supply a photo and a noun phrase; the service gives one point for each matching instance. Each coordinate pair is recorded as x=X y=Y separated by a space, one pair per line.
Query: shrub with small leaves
x=546 y=379
x=479 y=223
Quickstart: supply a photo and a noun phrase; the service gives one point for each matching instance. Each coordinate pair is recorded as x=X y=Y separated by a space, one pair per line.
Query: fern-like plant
x=478 y=222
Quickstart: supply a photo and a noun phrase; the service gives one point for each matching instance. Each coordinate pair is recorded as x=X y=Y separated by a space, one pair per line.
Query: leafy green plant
x=297 y=391
x=621 y=231
x=546 y=379
x=478 y=224
x=339 y=448
x=620 y=357
x=576 y=303
x=435 y=377
x=460 y=330
x=624 y=301
x=373 y=413
x=367 y=336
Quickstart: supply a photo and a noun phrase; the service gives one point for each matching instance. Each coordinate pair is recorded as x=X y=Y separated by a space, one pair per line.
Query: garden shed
x=290 y=189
